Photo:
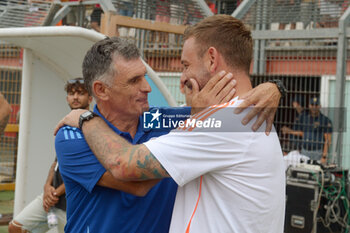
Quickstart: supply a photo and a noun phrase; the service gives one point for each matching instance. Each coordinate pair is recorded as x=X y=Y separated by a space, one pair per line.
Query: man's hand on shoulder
x=71 y=119
x=266 y=98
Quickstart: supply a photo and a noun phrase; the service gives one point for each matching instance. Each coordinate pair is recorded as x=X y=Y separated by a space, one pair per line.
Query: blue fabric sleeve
x=76 y=161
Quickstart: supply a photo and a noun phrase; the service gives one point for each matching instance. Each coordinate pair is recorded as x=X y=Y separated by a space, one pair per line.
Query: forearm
x=137 y=188
x=60 y=190
x=326 y=144
x=325 y=149
x=49 y=178
x=123 y=160
x=296 y=133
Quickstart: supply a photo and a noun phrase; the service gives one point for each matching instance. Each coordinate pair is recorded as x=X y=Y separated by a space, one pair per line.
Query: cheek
x=190 y=73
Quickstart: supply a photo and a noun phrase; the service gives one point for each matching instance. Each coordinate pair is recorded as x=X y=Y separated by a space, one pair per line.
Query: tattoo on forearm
x=148 y=164
x=115 y=153
x=3 y=124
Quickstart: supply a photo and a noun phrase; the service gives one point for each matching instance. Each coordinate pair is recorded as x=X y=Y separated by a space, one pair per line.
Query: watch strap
x=282 y=89
x=86 y=116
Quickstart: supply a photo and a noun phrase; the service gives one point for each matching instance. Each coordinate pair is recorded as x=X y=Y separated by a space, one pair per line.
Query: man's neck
x=243 y=83
x=121 y=122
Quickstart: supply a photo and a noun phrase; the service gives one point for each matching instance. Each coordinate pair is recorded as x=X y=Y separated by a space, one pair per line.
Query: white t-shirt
x=243 y=177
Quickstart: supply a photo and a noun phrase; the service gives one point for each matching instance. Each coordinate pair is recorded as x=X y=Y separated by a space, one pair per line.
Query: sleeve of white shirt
x=188 y=155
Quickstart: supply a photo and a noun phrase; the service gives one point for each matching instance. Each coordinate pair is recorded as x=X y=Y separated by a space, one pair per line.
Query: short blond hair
x=228 y=35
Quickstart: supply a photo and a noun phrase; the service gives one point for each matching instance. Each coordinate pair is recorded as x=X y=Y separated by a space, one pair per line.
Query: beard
x=205 y=76
x=81 y=106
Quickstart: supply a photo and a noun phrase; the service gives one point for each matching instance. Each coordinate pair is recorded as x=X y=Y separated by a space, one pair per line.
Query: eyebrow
x=139 y=76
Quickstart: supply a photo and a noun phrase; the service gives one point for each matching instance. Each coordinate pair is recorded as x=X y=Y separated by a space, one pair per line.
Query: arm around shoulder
x=137 y=188
x=124 y=161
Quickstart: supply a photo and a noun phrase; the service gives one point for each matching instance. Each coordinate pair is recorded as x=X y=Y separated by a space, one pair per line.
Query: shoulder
x=69 y=133
x=69 y=139
x=223 y=116
x=70 y=142
x=325 y=117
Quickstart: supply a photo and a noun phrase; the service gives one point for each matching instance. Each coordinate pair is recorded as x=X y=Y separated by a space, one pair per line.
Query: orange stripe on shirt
x=211 y=113
x=197 y=115
x=218 y=108
x=211 y=110
x=195 y=208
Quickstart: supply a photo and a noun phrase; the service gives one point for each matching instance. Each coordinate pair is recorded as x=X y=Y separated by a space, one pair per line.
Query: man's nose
x=182 y=82
x=145 y=86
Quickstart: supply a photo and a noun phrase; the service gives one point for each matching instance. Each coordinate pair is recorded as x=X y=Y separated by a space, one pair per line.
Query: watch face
x=86 y=114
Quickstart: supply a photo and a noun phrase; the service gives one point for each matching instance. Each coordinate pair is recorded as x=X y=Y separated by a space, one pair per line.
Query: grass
x=6 y=205
x=6 y=202
x=3 y=229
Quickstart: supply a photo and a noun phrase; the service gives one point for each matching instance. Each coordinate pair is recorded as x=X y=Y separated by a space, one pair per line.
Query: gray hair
x=98 y=61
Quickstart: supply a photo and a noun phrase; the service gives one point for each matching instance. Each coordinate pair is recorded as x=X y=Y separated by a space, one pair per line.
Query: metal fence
x=18 y=13
x=10 y=87
x=306 y=45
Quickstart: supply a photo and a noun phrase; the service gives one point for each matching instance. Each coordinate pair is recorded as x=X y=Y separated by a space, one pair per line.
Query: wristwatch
x=280 y=86
x=86 y=116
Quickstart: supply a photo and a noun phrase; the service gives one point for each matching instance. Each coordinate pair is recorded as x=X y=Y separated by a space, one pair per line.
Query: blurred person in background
x=96 y=18
x=33 y=218
x=72 y=18
x=295 y=141
x=315 y=130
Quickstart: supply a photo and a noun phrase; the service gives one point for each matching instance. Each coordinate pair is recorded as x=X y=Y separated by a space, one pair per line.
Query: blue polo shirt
x=95 y=209
x=314 y=129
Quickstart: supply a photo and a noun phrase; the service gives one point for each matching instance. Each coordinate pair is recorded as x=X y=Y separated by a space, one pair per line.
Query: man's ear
x=100 y=90
x=213 y=57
